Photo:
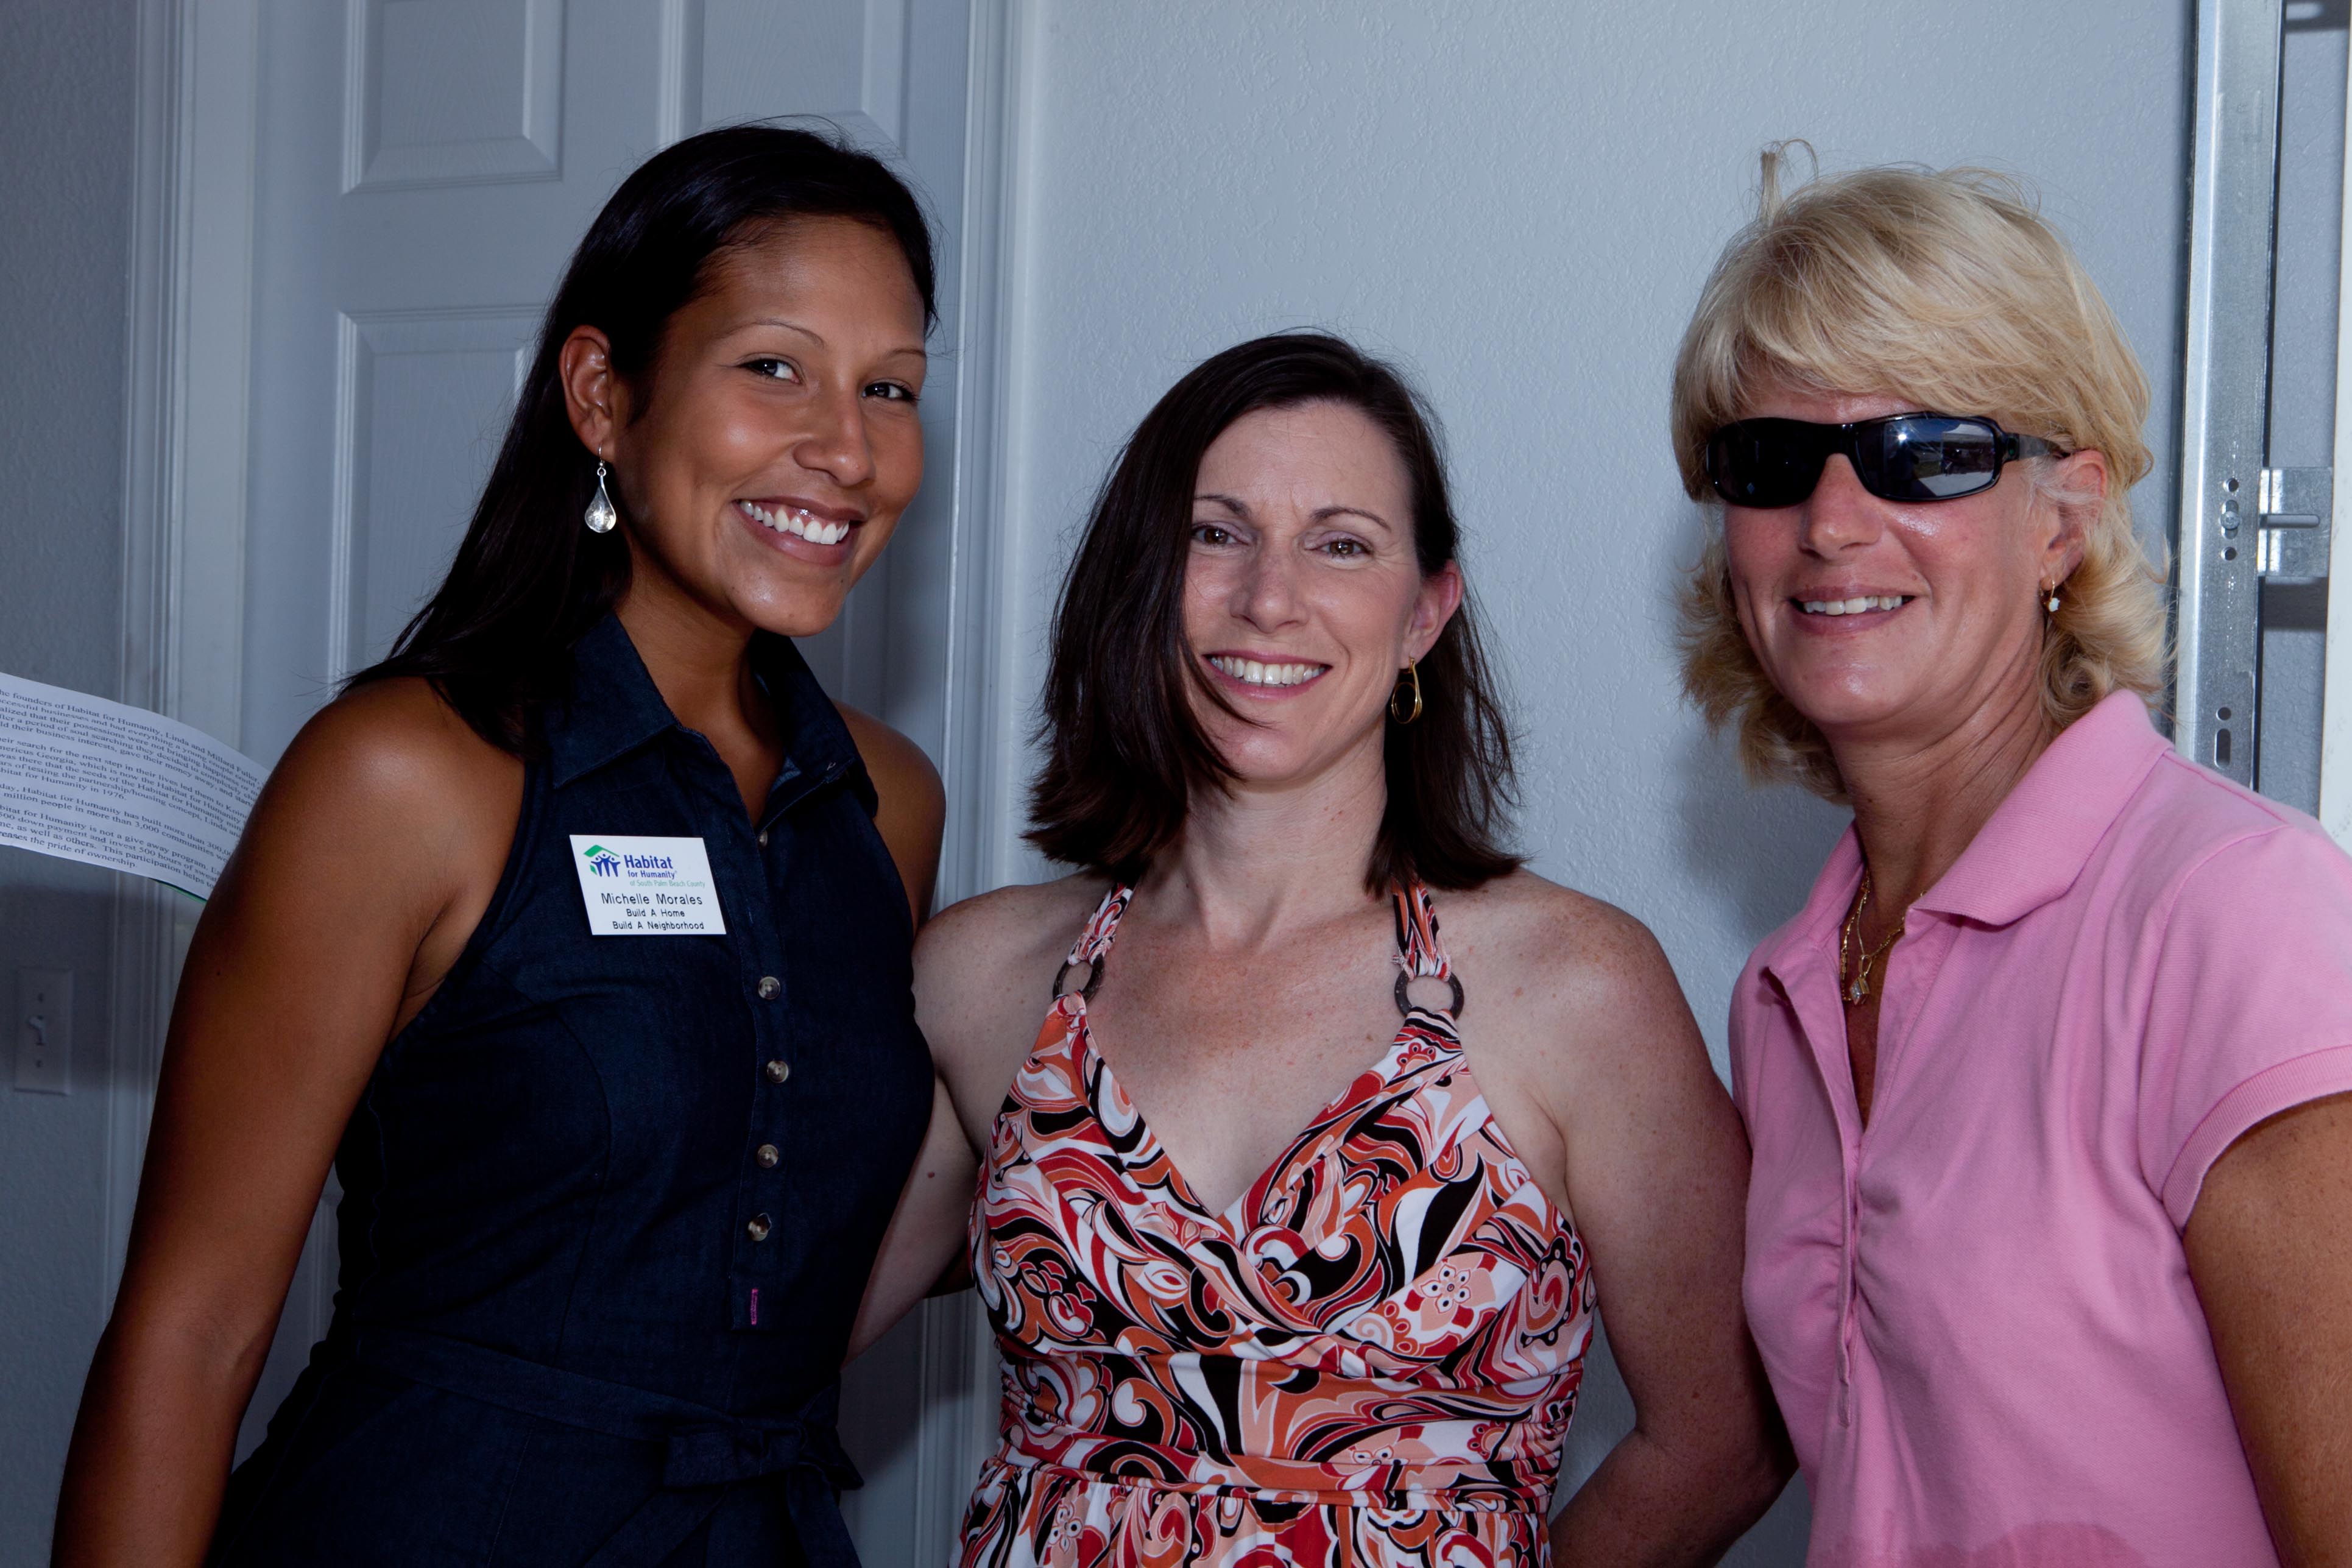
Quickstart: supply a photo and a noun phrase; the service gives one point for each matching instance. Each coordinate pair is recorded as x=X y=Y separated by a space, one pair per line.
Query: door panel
x=421 y=401
x=842 y=59
x=446 y=91
x=423 y=169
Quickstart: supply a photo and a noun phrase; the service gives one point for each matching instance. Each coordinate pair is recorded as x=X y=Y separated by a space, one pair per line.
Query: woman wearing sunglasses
x=2046 y=1083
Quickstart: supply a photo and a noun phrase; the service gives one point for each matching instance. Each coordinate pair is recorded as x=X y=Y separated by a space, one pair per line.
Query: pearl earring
x=602 y=514
x=2050 y=603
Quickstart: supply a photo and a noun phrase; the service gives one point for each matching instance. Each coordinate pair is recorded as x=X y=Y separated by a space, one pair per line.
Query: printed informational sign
x=635 y=886
x=85 y=779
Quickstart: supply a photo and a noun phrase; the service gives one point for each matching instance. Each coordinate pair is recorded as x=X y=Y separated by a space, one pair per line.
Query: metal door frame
x=2225 y=423
x=2240 y=521
x=2336 y=719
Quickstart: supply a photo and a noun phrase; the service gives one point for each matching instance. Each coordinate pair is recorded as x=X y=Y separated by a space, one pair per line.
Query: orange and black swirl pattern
x=1370 y=1360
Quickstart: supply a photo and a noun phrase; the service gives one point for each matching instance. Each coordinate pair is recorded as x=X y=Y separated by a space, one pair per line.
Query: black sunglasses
x=1769 y=463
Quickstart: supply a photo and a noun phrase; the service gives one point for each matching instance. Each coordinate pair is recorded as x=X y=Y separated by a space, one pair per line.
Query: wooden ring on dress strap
x=1405 y=978
x=1085 y=992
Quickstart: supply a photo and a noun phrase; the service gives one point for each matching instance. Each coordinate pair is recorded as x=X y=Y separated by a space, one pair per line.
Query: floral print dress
x=1368 y=1360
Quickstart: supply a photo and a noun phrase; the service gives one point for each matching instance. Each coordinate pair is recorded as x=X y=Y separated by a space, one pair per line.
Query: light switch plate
x=44 y=1020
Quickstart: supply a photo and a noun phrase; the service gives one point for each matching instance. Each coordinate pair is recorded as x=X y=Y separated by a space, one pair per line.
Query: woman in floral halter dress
x=1286 y=1267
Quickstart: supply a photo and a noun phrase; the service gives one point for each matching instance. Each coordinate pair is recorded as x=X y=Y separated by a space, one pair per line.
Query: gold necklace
x=1850 y=939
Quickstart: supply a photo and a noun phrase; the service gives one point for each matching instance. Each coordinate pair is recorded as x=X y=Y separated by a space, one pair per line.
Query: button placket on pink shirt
x=1907 y=981
x=1813 y=996
x=1913 y=967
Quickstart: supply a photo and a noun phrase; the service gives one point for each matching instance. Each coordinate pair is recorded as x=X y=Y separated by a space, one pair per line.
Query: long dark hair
x=1125 y=755
x=529 y=580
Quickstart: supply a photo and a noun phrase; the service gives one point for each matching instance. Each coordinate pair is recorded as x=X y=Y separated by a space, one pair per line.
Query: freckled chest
x=1229 y=1055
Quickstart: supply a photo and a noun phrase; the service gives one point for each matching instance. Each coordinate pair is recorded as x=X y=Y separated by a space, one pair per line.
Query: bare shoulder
x=898 y=766
x=1579 y=982
x=1581 y=1039
x=1016 y=928
x=394 y=747
x=387 y=822
x=910 y=809
x=985 y=973
x=1551 y=941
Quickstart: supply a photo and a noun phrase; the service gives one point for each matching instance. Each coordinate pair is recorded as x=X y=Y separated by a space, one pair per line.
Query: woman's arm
x=350 y=895
x=926 y=1229
x=927 y=1223
x=1656 y=1168
x=2269 y=1248
x=984 y=971
x=912 y=808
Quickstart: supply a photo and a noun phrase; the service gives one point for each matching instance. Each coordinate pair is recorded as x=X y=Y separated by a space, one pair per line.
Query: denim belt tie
x=704 y=1449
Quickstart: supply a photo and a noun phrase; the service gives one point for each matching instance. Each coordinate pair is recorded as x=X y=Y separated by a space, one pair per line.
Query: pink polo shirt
x=1976 y=1312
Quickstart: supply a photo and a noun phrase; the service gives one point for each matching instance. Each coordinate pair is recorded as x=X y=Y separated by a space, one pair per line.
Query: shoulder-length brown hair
x=1125 y=754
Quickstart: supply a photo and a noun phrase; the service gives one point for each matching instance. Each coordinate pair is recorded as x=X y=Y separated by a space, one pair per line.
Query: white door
x=423 y=170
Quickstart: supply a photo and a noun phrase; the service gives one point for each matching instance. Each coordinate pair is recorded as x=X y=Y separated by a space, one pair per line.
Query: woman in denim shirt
x=582 y=924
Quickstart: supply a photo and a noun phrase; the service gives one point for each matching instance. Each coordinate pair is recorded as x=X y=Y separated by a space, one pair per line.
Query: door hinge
x=2295 y=505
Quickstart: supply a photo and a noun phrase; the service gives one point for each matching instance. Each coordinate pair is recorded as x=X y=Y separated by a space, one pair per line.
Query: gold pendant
x=1858 y=990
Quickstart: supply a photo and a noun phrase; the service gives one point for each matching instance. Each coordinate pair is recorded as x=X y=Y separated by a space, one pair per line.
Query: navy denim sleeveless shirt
x=610 y=1201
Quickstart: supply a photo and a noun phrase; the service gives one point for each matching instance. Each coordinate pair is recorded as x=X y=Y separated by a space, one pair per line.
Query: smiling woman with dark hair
x=1278 y=1246
x=1127 y=752
x=519 y=938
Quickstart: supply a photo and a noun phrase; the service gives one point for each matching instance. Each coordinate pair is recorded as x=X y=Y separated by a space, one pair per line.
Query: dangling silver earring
x=601 y=515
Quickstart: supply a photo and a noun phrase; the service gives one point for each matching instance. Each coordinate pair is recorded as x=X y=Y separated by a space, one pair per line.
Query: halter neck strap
x=1420 y=955
x=1418 y=950
x=1094 y=941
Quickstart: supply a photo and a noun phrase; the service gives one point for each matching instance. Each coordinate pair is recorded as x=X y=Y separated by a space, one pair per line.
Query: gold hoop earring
x=1412 y=672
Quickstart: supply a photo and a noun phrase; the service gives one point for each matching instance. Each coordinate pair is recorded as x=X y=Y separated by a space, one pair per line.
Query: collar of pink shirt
x=2030 y=850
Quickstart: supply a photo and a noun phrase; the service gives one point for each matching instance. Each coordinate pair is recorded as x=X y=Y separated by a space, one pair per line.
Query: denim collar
x=613 y=708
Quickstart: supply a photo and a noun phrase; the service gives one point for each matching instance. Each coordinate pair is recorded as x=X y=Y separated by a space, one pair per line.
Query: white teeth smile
x=796 y=521
x=1852 y=606
x=1256 y=674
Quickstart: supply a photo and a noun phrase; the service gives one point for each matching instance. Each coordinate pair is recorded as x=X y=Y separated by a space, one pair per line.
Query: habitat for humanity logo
x=606 y=862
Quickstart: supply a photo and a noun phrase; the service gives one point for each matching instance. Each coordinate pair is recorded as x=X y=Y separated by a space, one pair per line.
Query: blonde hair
x=1946 y=289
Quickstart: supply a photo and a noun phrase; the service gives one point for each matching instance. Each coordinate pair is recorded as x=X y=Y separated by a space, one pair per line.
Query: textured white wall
x=65 y=210
x=1517 y=199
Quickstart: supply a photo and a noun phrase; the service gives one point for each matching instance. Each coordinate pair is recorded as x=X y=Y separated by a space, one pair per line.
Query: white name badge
x=646 y=887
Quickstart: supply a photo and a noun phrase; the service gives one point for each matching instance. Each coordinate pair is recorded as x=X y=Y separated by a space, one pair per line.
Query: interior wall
x=1517 y=200
x=66 y=106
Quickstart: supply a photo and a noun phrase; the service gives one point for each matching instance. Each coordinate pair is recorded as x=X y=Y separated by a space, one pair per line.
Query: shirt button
x=768 y=1155
x=759 y=1227
x=770 y=987
x=778 y=1071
